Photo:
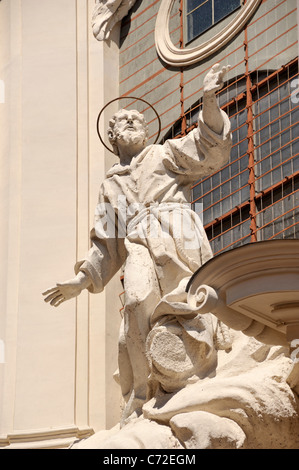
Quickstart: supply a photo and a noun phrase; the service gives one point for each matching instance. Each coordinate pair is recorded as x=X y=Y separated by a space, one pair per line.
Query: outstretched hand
x=213 y=81
x=66 y=290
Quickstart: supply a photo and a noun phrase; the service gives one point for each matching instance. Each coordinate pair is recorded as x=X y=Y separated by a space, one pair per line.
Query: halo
x=122 y=98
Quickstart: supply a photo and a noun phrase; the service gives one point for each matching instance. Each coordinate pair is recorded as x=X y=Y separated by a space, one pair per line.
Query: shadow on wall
x=126 y=22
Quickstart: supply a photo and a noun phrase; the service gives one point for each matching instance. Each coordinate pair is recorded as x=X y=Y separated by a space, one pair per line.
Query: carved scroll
x=106 y=14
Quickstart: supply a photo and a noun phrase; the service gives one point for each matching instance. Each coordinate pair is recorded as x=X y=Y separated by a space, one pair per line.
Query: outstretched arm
x=211 y=113
x=67 y=290
x=103 y=260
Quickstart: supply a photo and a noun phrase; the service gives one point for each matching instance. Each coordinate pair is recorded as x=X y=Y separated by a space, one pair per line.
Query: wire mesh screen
x=229 y=207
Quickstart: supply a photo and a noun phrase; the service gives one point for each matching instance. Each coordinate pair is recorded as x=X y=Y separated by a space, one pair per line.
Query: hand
x=66 y=290
x=213 y=81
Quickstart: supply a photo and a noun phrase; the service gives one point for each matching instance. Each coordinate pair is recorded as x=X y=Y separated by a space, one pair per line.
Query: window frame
x=183 y=57
x=188 y=41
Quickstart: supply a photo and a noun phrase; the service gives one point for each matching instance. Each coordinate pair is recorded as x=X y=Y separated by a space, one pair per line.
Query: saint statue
x=177 y=387
x=154 y=182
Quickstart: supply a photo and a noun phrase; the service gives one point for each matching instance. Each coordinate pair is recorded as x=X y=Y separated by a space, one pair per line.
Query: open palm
x=63 y=291
x=214 y=79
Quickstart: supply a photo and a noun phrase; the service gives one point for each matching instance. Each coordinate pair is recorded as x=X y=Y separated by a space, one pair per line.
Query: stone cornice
x=51 y=438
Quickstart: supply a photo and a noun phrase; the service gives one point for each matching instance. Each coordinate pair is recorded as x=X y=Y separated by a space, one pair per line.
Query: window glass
x=224 y=8
x=192 y=4
x=226 y=197
x=276 y=129
x=203 y=14
x=199 y=20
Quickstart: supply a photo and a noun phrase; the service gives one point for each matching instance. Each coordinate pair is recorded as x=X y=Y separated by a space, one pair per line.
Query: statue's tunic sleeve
x=107 y=253
x=201 y=152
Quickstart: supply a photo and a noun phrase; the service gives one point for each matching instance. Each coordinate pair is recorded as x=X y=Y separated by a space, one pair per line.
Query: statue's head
x=127 y=127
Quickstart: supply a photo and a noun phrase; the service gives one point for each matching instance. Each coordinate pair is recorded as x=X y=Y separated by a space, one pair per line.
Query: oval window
x=187 y=56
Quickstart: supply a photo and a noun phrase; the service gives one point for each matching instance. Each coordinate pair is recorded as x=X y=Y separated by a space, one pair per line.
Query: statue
x=154 y=180
x=168 y=353
x=106 y=14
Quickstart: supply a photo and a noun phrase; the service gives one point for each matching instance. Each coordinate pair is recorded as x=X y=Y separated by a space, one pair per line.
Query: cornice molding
x=51 y=438
x=184 y=57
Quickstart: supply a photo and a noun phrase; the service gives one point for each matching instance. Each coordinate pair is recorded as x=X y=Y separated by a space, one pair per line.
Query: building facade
x=56 y=367
x=254 y=196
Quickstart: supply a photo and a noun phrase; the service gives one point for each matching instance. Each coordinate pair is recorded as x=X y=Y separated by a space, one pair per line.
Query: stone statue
x=183 y=384
x=153 y=183
x=106 y=14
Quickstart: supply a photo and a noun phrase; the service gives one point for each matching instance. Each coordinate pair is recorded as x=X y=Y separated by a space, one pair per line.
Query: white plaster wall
x=51 y=166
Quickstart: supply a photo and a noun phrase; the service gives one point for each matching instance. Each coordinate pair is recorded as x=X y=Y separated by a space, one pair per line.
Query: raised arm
x=211 y=112
x=206 y=148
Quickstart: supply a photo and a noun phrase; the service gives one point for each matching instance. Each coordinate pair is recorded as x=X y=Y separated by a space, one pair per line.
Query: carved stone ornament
x=253 y=288
x=106 y=14
x=184 y=57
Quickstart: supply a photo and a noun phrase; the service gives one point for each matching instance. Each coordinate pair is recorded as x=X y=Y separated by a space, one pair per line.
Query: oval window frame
x=183 y=57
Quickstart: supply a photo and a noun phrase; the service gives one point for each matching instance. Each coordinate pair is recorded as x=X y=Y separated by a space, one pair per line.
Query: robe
x=144 y=222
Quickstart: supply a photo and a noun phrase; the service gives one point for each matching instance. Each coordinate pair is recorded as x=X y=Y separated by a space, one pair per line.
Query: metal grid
x=255 y=196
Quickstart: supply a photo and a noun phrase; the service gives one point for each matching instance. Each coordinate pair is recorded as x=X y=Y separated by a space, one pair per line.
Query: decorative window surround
x=184 y=57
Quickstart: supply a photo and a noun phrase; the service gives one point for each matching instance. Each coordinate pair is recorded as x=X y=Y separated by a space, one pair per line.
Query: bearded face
x=129 y=128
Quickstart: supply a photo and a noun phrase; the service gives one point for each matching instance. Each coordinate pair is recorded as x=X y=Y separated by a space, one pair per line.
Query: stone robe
x=144 y=222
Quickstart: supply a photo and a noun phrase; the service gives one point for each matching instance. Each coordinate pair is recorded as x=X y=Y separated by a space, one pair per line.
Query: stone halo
x=122 y=98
